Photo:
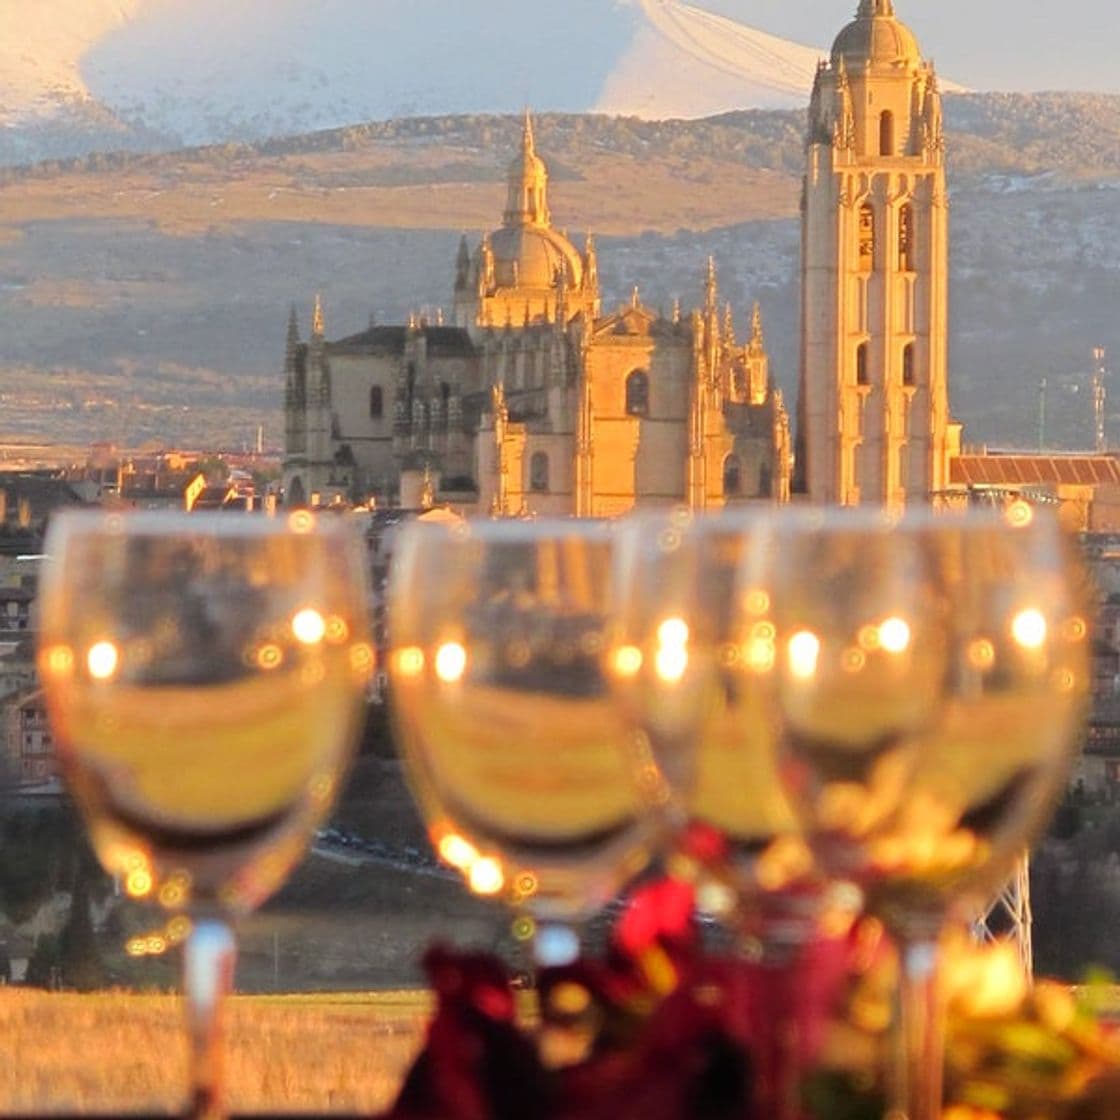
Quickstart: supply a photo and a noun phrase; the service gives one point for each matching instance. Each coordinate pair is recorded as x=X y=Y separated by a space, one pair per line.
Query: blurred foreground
x=114 y=1053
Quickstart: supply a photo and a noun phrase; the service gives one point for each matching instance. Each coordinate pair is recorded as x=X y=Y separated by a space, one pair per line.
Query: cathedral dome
x=877 y=37
x=527 y=251
x=529 y=256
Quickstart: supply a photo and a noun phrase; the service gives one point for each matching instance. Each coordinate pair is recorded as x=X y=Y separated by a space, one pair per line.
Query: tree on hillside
x=78 y=955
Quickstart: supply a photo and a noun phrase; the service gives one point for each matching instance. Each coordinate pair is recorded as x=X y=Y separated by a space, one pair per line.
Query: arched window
x=538 y=472
x=732 y=476
x=906 y=238
x=637 y=393
x=886 y=133
x=863 y=376
x=376 y=402
x=866 y=238
x=908 y=364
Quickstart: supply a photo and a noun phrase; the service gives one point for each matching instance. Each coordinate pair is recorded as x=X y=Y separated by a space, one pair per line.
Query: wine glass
x=529 y=779
x=689 y=654
x=205 y=678
x=929 y=685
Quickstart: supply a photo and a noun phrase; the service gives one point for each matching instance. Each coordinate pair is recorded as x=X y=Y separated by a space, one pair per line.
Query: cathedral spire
x=462 y=265
x=292 y=343
x=757 y=341
x=318 y=328
x=528 y=148
x=591 y=263
x=527 y=201
x=711 y=288
x=869 y=8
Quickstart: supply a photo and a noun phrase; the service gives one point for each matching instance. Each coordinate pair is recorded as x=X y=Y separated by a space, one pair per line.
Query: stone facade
x=533 y=401
x=873 y=414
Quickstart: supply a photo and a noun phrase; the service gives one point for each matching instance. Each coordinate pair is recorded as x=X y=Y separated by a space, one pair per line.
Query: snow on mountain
x=42 y=47
x=705 y=64
x=138 y=73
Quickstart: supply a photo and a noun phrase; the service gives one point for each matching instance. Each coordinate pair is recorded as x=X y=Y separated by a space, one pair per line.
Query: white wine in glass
x=930 y=682
x=527 y=774
x=205 y=678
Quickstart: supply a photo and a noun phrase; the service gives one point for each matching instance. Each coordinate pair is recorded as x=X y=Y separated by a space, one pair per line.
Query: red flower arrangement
x=657 y=1030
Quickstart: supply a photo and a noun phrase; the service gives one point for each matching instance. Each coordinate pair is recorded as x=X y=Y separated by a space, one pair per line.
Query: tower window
x=886 y=133
x=538 y=472
x=376 y=402
x=863 y=377
x=637 y=393
x=866 y=238
x=906 y=238
x=908 y=364
x=732 y=476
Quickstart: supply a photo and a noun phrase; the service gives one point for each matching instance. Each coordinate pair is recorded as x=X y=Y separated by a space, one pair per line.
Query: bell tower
x=873 y=414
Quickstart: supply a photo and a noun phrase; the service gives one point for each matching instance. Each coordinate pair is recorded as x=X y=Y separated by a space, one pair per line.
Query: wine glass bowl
x=928 y=690
x=988 y=774
x=530 y=781
x=205 y=677
x=860 y=644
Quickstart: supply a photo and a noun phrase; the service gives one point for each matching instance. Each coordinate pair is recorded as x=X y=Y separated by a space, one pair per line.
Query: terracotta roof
x=1034 y=470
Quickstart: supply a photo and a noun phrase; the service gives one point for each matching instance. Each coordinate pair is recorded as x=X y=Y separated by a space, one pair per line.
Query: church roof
x=451 y=342
x=876 y=36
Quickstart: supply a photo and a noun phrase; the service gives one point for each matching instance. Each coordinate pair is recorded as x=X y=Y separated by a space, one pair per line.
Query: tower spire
x=711 y=289
x=756 y=327
x=869 y=8
x=318 y=327
x=292 y=343
x=527 y=202
x=528 y=147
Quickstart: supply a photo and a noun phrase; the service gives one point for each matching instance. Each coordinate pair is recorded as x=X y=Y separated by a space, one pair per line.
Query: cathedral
x=532 y=400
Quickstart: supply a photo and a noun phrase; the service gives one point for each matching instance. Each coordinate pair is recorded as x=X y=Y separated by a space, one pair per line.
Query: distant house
x=28 y=741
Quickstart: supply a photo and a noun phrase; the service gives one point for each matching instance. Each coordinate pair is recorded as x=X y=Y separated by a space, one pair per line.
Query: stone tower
x=873 y=414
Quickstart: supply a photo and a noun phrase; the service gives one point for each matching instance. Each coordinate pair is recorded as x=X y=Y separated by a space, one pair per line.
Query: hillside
x=145 y=295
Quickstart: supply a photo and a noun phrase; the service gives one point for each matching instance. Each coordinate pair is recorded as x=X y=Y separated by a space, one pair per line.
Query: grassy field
x=113 y=1053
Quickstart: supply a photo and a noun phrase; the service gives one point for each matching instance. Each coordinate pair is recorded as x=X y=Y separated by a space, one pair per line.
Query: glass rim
x=216 y=523
x=513 y=530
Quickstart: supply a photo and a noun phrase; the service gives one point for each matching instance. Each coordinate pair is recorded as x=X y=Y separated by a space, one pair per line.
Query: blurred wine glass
x=529 y=779
x=689 y=654
x=205 y=677
x=929 y=684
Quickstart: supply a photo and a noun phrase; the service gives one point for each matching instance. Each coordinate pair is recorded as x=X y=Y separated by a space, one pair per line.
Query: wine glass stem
x=209 y=956
x=919 y=1036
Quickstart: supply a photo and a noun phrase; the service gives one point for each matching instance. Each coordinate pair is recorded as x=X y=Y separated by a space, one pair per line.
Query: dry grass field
x=116 y=1053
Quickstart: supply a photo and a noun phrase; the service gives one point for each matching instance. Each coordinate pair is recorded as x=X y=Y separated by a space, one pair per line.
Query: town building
x=533 y=400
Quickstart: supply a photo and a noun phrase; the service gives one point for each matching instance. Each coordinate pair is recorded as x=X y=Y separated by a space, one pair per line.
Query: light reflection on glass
x=451 y=662
x=804 y=650
x=1029 y=628
x=485 y=876
x=102 y=660
x=894 y=635
x=628 y=661
x=457 y=851
x=309 y=626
